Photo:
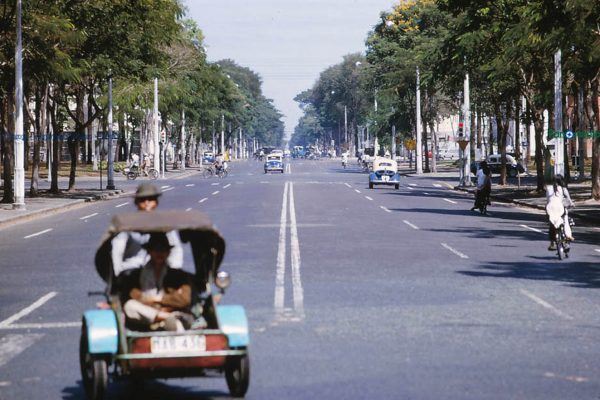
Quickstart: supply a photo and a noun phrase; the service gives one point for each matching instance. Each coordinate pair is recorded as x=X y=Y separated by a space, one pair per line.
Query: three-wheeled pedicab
x=217 y=339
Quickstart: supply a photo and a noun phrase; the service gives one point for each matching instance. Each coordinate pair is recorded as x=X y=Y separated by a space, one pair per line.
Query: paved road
x=350 y=292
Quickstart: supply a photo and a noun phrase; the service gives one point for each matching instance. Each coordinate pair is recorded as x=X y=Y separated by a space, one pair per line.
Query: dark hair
x=559 y=180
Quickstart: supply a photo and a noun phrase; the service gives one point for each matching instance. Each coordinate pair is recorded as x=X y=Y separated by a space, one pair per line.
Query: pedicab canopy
x=194 y=227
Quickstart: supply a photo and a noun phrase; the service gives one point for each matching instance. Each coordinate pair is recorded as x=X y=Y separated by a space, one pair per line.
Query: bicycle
x=211 y=171
x=133 y=172
x=562 y=244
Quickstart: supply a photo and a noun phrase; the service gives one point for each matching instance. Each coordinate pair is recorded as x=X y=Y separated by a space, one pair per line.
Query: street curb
x=72 y=204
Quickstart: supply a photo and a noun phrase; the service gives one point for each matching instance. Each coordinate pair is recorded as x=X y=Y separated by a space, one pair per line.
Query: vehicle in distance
x=494 y=161
x=385 y=172
x=208 y=157
x=274 y=162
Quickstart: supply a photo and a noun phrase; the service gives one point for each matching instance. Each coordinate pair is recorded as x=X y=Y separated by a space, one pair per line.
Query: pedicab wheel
x=153 y=174
x=94 y=372
x=237 y=375
x=131 y=175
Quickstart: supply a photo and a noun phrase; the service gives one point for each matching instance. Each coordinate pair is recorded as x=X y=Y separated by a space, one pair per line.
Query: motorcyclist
x=557 y=201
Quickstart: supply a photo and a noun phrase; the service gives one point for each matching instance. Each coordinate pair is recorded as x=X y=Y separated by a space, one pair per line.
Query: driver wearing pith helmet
x=146 y=197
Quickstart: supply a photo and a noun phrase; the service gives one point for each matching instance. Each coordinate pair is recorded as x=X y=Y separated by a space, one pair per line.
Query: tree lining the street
x=506 y=47
x=70 y=50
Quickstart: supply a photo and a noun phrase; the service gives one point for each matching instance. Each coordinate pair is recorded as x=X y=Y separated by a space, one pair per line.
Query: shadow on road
x=576 y=274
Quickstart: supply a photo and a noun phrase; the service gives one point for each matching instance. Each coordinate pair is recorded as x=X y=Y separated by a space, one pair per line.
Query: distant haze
x=288 y=43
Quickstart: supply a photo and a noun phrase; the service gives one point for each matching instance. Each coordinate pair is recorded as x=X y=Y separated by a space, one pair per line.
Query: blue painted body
x=102 y=331
x=233 y=322
x=377 y=178
x=273 y=166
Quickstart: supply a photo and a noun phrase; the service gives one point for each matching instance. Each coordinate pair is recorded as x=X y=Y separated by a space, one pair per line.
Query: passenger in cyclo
x=157 y=296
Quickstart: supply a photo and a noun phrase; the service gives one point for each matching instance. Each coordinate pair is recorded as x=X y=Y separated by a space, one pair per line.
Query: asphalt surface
x=350 y=292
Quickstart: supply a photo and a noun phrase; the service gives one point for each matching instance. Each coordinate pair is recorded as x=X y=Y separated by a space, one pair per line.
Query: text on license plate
x=167 y=344
x=385 y=178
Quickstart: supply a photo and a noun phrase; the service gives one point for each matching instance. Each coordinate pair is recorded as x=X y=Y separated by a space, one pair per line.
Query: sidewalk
x=524 y=194
x=87 y=190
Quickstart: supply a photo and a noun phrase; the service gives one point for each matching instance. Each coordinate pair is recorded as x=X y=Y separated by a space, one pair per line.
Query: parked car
x=494 y=161
x=385 y=172
x=274 y=162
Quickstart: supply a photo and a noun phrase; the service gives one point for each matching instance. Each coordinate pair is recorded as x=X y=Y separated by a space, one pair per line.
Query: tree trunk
x=594 y=117
x=8 y=149
x=434 y=140
x=40 y=128
x=538 y=125
x=75 y=139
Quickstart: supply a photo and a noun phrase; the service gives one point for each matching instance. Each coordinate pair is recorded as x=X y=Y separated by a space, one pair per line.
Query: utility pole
x=183 y=149
x=155 y=128
x=346 y=126
x=110 y=184
x=222 y=135
x=19 y=178
x=418 y=147
x=559 y=147
x=467 y=130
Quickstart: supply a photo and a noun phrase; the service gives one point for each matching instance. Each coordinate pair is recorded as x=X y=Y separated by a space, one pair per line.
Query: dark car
x=494 y=161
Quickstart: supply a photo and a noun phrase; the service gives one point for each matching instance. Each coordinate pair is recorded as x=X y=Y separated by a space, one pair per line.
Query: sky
x=287 y=42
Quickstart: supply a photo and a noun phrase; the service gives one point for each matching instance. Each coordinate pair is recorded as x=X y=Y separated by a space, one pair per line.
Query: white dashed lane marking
x=202 y=200
x=121 y=205
x=385 y=209
x=531 y=229
x=368 y=198
x=458 y=253
x=450 y=201
x=226 y=186
x=89 y=216
x=38 y=233
x=410 y=224
x=215 y=192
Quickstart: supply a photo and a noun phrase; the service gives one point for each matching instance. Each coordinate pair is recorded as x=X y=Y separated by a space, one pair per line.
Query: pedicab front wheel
x=237 y=374
x=94 y=371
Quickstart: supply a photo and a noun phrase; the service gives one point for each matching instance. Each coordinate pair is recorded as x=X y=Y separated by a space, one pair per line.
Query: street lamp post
x=19 y=194
x=418 y=148
x=156 y=133
x=110 y=184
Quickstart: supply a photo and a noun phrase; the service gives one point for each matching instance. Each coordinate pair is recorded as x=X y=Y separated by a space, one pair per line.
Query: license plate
x=385 y=178
x=168 y=344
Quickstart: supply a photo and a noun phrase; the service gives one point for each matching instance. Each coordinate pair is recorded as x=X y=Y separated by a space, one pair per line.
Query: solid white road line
x=368 y=198
x=297 y=291
x=281 y=254
x=121 y=205
x=531 y=229
x=357 y=191
x=215 y=192
x=288 y=168
x=450 y=201
x=89 y=216
x=545 y=304
x=226 y=186
x=38 y=233
x=385 y=209
x=202 y=200
x=12 y=345
x=411 y=225
x=27 y=310
x=458 y=253
x=347 y=185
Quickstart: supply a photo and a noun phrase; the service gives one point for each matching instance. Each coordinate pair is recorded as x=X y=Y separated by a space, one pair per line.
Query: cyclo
x=219 y=343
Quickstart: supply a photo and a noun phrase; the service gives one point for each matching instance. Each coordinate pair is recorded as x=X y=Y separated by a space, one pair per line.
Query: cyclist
x=557 y=201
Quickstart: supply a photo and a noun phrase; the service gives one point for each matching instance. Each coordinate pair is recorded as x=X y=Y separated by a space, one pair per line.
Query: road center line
x=546 y=305
x=411 y=225
x=121 y=205
x=281 y=253
x=89 y=216
x=38 y=233
x=531 y=229
x=27 y=310
x=297 y=290
x=458 y=253
x=368 y=198
x=450 y=201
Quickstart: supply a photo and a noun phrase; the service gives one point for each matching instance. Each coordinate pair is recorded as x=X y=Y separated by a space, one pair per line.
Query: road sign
x=410 y=144
x=463 y=144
